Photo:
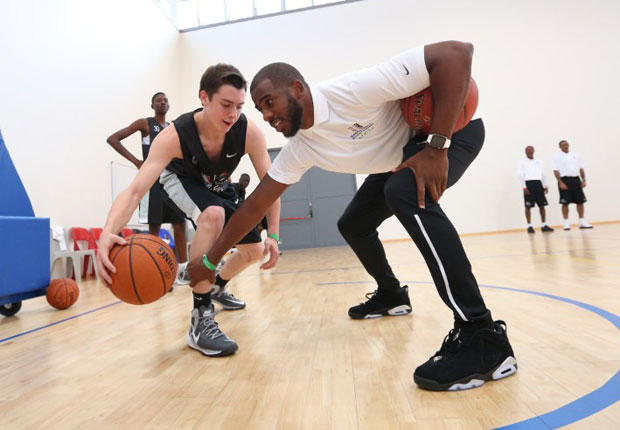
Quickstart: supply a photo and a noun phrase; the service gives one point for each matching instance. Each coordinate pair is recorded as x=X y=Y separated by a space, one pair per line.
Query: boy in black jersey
x=197 y=154
x=153 y=209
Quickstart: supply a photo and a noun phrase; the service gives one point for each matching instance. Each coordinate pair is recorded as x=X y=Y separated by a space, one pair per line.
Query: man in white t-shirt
x=568 y=170
x=353 y=124
x=531 y=172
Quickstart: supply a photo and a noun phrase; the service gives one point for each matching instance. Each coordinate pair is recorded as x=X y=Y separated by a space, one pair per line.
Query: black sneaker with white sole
x=380 y=304
x=225 y=299
x=468 y=358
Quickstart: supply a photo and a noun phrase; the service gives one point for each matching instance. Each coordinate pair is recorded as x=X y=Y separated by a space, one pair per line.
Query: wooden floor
x=303 y=364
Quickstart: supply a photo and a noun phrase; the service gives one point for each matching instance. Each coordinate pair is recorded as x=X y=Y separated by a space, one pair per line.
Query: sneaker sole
x=208 y=352
x=228 y=307
x=506 y=368
x=392 y=312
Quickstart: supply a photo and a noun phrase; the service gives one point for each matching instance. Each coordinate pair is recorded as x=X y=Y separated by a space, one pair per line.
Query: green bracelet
x=274 y=237
x=207 y=263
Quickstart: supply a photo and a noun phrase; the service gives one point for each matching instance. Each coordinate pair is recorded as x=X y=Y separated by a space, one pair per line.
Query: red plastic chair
x=126 y=232
x=96 y=232
x=83 y=239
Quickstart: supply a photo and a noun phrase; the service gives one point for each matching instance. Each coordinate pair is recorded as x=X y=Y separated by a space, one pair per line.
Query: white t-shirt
x=568 y=164
x=358 y=126
x=532 y=170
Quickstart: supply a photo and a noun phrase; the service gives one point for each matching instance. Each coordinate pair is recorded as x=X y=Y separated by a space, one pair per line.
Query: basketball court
x=303 y=363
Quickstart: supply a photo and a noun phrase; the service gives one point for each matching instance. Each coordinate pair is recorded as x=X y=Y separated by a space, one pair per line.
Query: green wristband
x=207 y=263
x=274 y=237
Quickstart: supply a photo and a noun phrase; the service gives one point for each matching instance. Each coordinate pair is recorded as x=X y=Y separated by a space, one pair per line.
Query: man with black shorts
x=534 y=182
x=568 y=170
x=195 y=157
x=353 y=124
x=240 y=187
x=153 y=209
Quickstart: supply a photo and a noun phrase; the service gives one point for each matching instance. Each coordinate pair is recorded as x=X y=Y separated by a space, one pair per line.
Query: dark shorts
x=536 y=195
x=154 y=209
x=187 y=195
x=574 y=193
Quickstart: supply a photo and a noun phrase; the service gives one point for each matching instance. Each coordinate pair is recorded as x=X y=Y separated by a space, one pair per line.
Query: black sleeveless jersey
x=154 y=129
x=195 y=163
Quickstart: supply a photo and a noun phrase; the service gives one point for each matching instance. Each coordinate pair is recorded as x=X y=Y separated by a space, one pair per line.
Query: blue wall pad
x=25 y=257
x=13 y=198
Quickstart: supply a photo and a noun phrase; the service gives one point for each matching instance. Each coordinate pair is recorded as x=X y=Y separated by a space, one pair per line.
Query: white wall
x=546 y=71
x=73 y=72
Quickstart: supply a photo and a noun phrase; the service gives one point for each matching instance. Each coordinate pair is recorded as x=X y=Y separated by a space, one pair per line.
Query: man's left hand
x=198 y=272
x=430 y=167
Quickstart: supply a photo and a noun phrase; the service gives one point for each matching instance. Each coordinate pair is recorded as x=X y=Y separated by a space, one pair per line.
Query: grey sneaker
x=225 y=299
x=205 y=336
x=183 y=276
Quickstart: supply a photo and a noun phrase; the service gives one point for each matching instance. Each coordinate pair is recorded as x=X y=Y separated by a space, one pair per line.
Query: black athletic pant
x=385 y=194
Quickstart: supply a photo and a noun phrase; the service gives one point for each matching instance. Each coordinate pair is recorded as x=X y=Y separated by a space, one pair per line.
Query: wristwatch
x=438 y=141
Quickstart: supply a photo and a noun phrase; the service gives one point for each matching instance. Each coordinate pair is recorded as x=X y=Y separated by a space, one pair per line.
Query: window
x=195 y=14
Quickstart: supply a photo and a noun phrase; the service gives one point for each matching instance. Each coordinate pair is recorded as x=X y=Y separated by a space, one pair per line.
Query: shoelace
x=451 y=343
x=209 y=326
x=226 y=294
x=370 y=296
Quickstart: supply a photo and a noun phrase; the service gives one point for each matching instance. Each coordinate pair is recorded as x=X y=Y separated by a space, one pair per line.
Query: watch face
x=437 y=141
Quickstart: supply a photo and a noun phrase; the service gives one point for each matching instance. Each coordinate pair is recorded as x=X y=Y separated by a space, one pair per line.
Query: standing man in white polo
x=534 y=182
x=568 y=170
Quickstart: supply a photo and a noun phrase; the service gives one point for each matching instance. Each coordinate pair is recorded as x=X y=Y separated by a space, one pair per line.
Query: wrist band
x=207 y=263
x=274 y=237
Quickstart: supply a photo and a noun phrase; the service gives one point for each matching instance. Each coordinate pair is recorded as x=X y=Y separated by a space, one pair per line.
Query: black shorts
x=574 y=193
x=187 y=195
x=536 y=195
x=154 y=210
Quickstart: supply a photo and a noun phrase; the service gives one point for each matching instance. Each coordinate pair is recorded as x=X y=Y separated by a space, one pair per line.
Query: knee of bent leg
x=211 y=218
x=346 y=224
x=251 y=252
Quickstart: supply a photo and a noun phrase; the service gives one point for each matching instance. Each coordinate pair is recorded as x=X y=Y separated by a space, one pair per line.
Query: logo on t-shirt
x=361 y=131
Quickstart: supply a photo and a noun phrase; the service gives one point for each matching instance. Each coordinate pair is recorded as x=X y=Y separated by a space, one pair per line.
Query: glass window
x=211 y=11
x=297 y=4
x=263 y=7
x=239 y=9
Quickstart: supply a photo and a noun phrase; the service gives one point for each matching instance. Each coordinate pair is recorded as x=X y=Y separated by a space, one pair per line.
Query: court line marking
x=59 y=322
x=583 y=407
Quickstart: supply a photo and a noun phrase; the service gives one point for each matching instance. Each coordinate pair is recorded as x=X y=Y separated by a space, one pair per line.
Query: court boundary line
x=580 y=408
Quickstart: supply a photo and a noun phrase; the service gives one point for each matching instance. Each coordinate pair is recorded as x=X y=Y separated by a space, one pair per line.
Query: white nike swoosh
x=231 y=155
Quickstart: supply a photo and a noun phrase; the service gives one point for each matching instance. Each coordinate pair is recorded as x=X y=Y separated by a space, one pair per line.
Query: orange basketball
x=418 y=109
x=62 y=293
x=145 y=269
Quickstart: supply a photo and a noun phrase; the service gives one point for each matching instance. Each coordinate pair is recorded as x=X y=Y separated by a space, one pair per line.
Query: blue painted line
x=58 y=322
x=583 y=407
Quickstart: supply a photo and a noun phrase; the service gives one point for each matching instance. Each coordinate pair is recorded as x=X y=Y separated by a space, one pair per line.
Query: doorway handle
x=309 y=210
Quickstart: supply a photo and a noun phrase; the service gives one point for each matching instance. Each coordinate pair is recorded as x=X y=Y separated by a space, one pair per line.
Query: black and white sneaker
x=468 y=358
x=383 y=303
x=183 y=275
x=225 y=299
x=205 y=336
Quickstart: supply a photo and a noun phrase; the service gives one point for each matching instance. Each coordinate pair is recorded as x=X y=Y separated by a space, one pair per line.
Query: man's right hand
x=563 y=186
x=104 y=265
x=526 y=191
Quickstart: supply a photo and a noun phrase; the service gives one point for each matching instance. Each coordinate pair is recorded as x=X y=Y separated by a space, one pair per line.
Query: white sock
x=544 y=224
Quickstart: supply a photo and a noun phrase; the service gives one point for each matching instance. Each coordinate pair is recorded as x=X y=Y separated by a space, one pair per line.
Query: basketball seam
x=117 y=253
x=156 y=265
x=133 y=282
x=58 y=290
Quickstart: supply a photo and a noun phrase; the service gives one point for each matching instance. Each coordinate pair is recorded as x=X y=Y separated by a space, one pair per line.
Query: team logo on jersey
x=361 y=131
x=156 y=128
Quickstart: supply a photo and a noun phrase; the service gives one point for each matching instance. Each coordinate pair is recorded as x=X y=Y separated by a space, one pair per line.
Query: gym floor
x=302 y=363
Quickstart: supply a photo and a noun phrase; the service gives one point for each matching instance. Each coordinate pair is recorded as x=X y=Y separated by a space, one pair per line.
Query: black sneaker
x=546 y=228
x=380 y=304
x=530 y=229
x=467 y=359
